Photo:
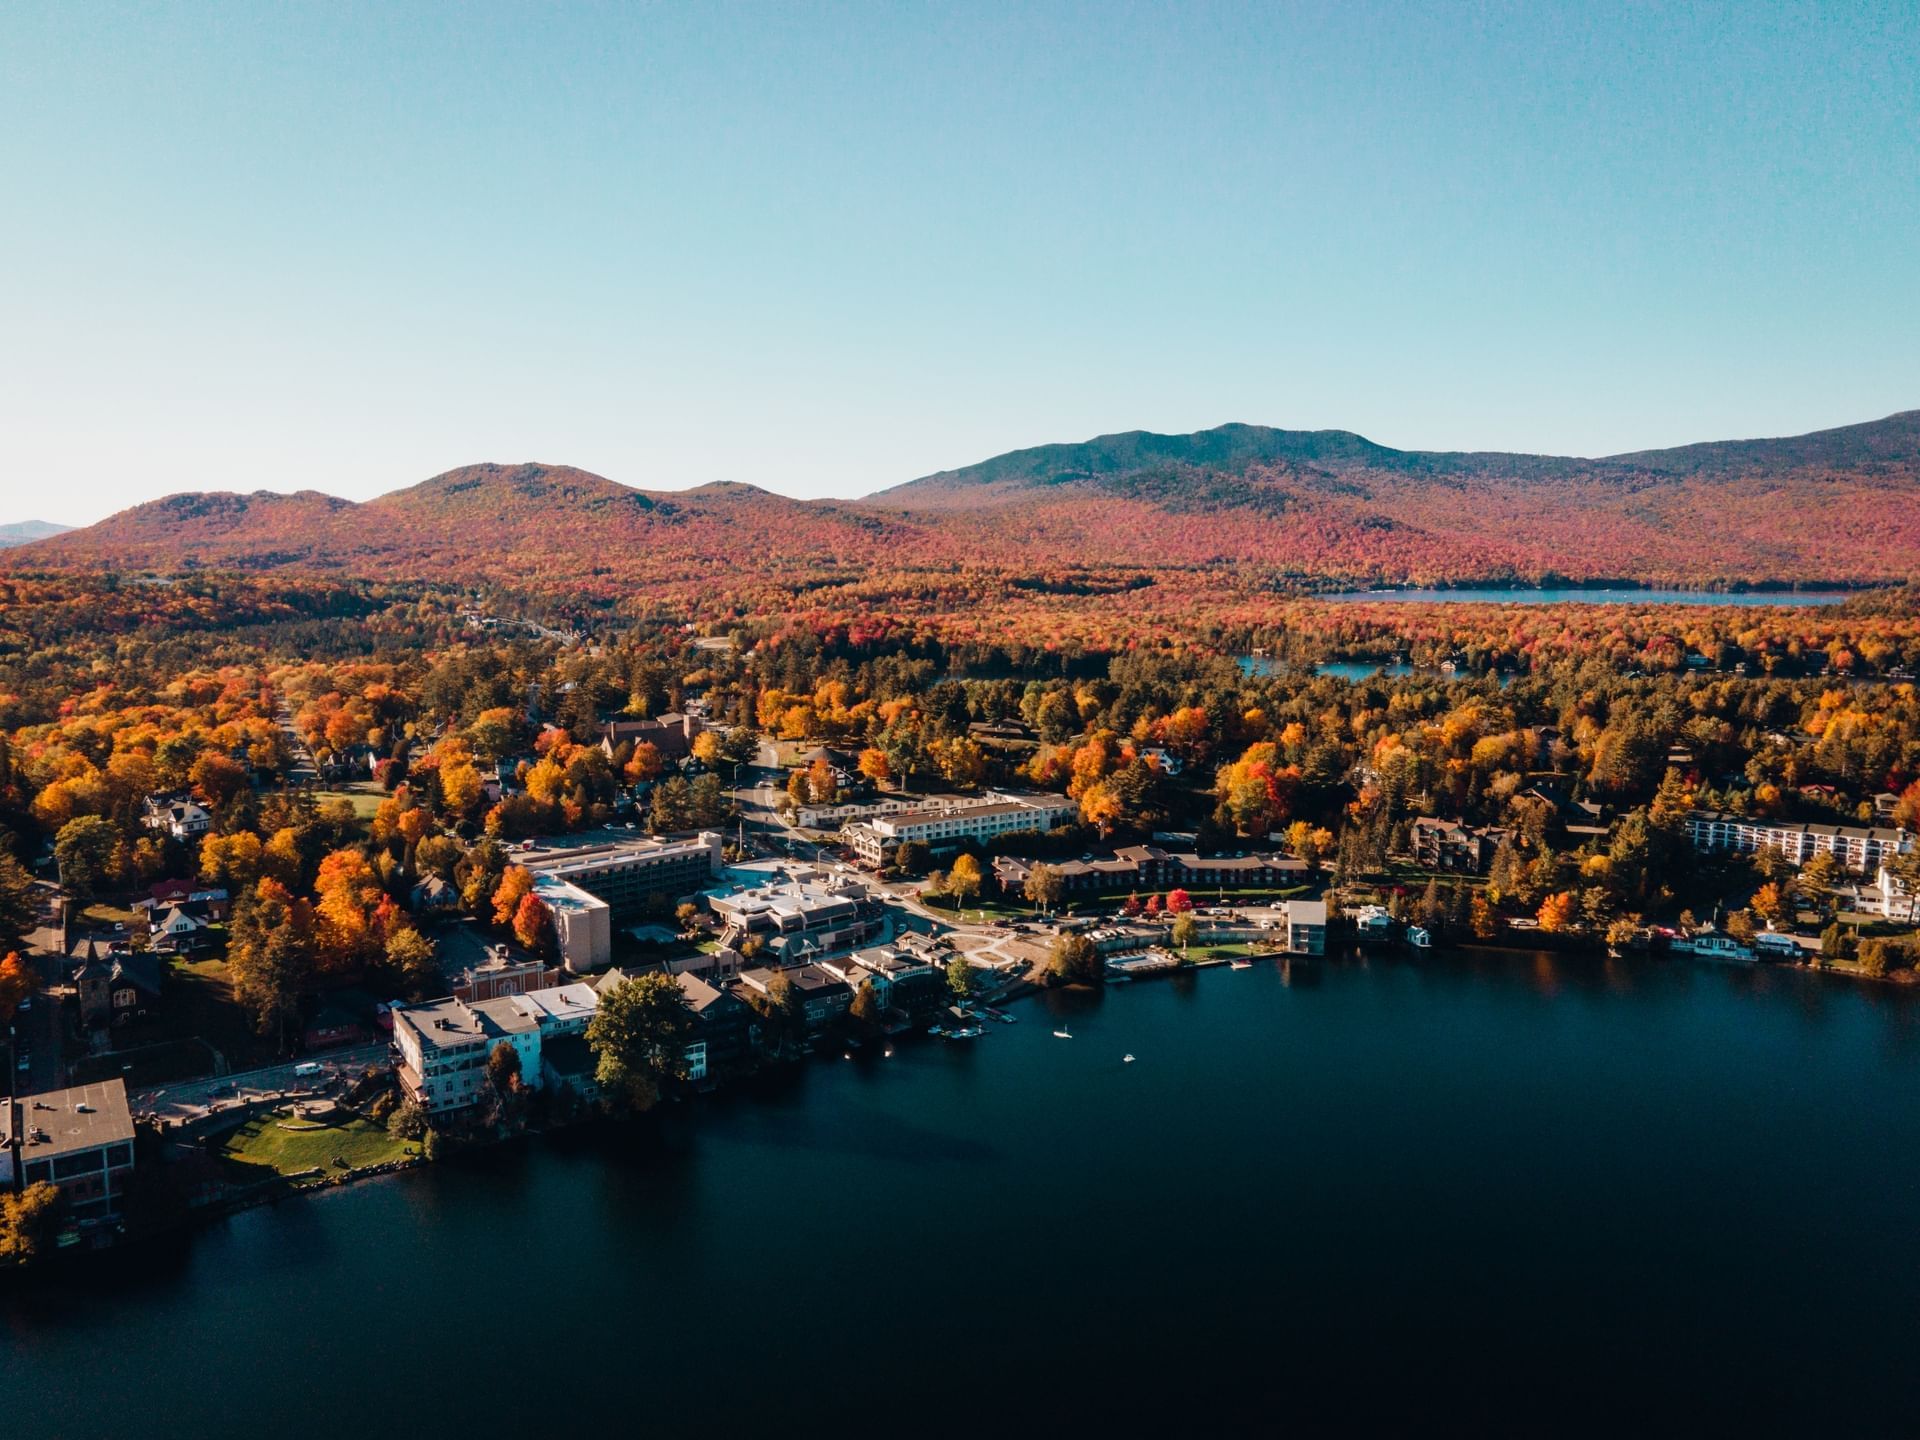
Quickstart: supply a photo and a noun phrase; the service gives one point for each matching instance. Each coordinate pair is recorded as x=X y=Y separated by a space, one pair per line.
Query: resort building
x=633 y=874
x=946 y=827
x=79 y=1139
x=800 y=919
x=444 y=1044
x=1859 y=848
x=1449 y=845
x=1148 y=867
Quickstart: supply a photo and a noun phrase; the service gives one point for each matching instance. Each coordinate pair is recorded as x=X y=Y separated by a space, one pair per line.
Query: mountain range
x=22 y=532
x=1321 y=506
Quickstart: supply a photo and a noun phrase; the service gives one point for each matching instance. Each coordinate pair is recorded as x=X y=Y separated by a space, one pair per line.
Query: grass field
x=365 y=797
x=264 y=1147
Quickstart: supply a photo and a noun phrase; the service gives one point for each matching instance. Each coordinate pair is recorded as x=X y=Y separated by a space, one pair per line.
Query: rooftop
x=60 y=1122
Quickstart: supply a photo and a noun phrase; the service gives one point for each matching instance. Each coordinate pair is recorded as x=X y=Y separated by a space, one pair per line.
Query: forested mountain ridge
x=1238 y=504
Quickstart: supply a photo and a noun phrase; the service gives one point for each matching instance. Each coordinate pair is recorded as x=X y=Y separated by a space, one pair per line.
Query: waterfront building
x=79 y=1139
x=801 y=918
x=1149 y=867
x=444 y=1044
x=1860 y=848
x=823 y=996
x=1306 y=926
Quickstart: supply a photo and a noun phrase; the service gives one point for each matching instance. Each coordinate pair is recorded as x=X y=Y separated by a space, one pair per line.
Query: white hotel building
x=1860 y=848
x=945 y=827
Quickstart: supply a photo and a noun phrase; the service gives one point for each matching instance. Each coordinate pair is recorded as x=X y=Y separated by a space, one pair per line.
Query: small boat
x=1126 y=1059
x=1063 y=1033
x=1240 y=964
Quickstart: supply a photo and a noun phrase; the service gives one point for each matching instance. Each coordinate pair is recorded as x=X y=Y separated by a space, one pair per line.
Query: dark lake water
x=1596 y=595
x=1487 y=1192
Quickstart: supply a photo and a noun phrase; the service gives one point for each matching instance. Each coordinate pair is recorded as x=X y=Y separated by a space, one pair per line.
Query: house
x=332 y=1027
x=115 y=985
x=435 y=896
x=444 y=1044
x=209 y=902
x=723 y=1028
x=176 y=815
x=179 y=931
x=1451 y=845
x=823 y=997
x=567 y=1064
x=79 y=1139
x=904 y=978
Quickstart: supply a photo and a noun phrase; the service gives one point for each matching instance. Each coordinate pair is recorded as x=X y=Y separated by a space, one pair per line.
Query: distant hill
x=22 y=532
x=1258 y=505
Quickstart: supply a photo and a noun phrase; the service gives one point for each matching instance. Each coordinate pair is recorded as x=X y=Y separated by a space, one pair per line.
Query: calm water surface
x=1494 y=1191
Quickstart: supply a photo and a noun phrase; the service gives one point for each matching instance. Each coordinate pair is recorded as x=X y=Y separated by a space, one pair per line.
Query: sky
x=828 y=248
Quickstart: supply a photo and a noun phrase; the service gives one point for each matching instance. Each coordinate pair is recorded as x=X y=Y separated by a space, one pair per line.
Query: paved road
x=191 y=1099
x=36 y=1036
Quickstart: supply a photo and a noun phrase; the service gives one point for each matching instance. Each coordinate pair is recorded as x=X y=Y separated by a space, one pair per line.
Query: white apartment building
x=1859 y=848
x=444 y=1044
x=945 y=827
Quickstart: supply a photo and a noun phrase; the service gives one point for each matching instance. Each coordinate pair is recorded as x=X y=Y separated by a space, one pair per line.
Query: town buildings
x=672 y=735
x=802 y=917
x=176 y=815
x=79 y=1139
x=634 y=874
x=582 y=923
x=444 y=1044
x=1450 y=845
x=1149 y=867
x=114 y=983
x=945 y=828
x=1859 y=848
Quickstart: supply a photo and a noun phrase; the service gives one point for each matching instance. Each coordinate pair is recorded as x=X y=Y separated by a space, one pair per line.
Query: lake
x=1468 y=1192
x=1596 y=595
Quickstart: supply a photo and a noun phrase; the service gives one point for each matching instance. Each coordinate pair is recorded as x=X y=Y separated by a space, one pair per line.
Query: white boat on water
x=1712 y=945
x=1126 y=1059
x=1241 y=964
x=1063 y=1033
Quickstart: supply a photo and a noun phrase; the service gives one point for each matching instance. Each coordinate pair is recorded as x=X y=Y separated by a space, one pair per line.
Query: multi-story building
x=633 y=874
x=1449 y=845
x=176 y=815
x=1306 y=926
x=832 y=817
x=444 y=1044
x=1148 y=867
x=947 y=827
x=582 y=923
x=822 y=996
x=672 y=735
x=79 y=1139
x=1859 y=848
x=801 y=918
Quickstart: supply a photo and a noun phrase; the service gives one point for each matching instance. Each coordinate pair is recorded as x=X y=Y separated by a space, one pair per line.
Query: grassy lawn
x=102 y=916
x=199 y=1002
x=365 y=797
x=263 y=1146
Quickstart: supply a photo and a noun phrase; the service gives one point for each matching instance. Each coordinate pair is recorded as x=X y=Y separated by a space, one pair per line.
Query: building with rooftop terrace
x=947 y=827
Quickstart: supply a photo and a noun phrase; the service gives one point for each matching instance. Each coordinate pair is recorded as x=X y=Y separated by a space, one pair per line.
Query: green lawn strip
x=265 y=1145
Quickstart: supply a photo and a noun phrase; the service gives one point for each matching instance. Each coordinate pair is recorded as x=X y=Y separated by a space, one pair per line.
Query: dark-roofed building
x=115 y=984
x=79 y=1139
x=1450 y=845
x=672 y=735
x=1148 y=867
x=823 y=997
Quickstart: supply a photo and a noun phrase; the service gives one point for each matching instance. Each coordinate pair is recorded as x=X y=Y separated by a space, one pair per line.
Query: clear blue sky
x=827 y=248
